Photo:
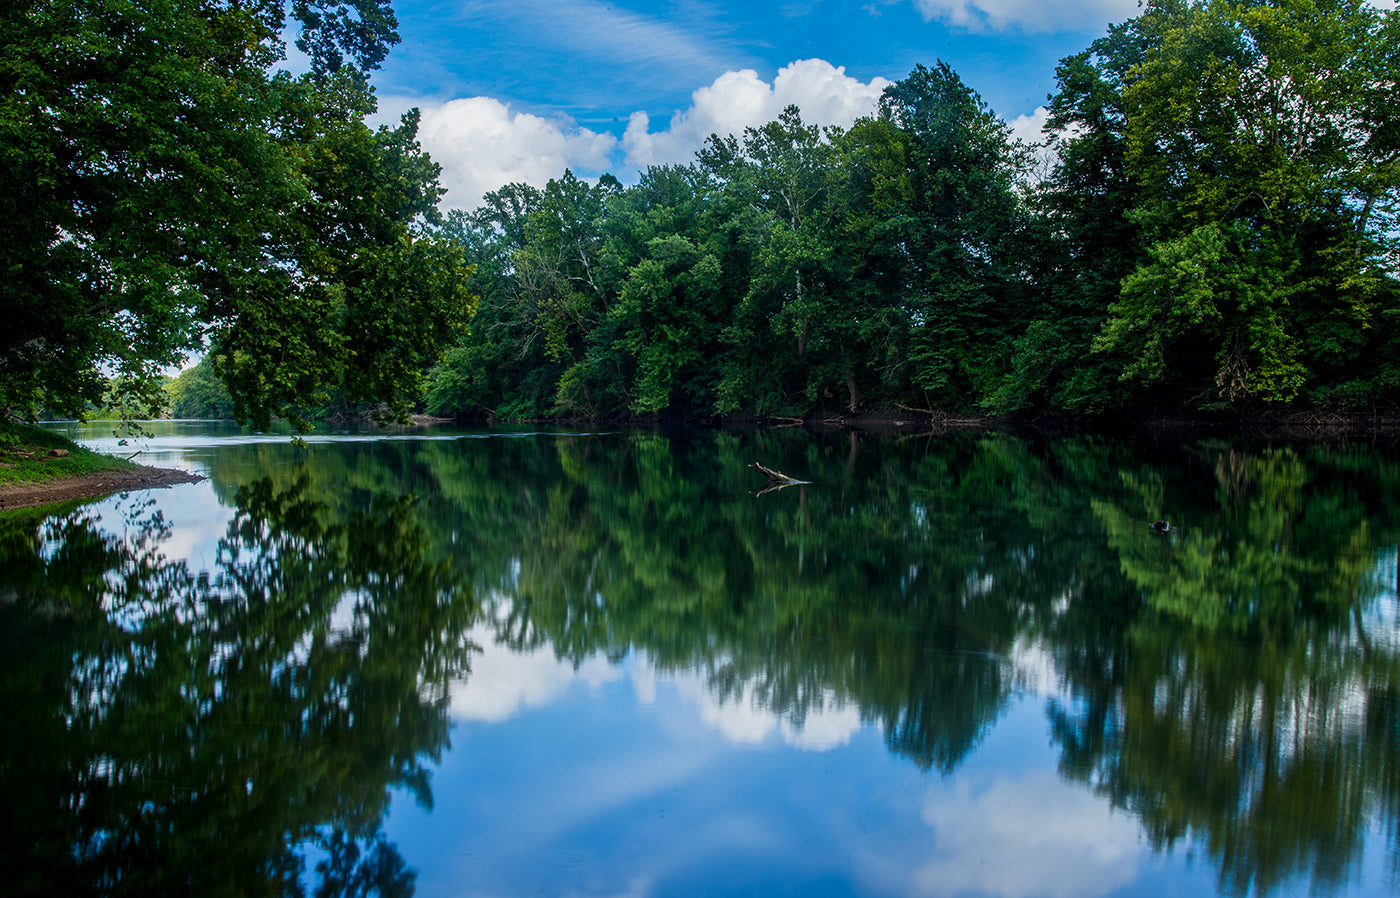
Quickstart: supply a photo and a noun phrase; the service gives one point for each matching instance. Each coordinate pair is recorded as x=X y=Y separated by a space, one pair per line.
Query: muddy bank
x=91 y=486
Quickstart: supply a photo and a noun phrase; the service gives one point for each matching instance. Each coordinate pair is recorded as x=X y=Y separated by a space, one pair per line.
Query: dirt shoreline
x=91 y=486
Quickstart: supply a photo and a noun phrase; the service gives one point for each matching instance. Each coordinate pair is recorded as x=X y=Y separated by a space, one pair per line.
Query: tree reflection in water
x=1227 y=681
x=169 y=730
x=1233 y=682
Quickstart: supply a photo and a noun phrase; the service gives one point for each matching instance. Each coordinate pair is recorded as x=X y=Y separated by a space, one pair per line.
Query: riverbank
x=90 y=486
x=39 y=467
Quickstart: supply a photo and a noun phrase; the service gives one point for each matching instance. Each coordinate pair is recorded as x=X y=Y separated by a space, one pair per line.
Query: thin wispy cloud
x=1027 y=15
x=603 y=32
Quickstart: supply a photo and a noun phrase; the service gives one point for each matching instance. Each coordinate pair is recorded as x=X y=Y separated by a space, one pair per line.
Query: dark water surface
x=453 y=663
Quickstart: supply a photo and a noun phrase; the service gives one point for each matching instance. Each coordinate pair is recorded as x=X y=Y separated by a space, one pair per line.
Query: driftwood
x=772 y=475
x=777 y=480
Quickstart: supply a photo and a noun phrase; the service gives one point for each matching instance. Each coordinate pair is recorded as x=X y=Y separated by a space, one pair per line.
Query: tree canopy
x=1215 y=229
x=1216 y=226
x=166 y=190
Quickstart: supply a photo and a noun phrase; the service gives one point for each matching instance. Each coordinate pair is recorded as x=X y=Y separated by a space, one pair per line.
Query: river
x=453 y=662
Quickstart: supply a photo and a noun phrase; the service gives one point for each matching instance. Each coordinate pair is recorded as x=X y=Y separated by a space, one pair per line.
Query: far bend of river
x=467 y=663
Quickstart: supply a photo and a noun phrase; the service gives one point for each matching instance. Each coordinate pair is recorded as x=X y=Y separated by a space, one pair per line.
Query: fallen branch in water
x=774 y=476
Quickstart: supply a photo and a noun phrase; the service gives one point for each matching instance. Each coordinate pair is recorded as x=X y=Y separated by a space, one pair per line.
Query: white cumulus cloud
x=482 y=145
x=1028 y=15
x=1029 y=127
x=823 y=729
x=504 y=682
x=1036 y=836
x=746 y=719
x=739 y=100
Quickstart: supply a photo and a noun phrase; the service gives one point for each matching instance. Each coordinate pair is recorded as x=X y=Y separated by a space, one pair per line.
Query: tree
x=179 y=730
x=1085 y=241
x=545 y=292
x=783 y=174
x=499 y=367
x=664 y=322
x=558 y=270
x=959 y=228
x=1263 y=157
x=667 y=278
x=198 y=393
x=162 y=187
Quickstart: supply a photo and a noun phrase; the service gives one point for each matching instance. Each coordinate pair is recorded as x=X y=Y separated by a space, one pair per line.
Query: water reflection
x=1231 y=686
x=1219 y=682
x=177 y=730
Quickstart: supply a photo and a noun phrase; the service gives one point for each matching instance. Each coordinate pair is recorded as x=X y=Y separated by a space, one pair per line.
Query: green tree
x=781 y=350
x=960 y=228
x=656 y=350
x=162 y=186
x=1085 y=241
x=663 y=323
x=499 y=368
x=546 y=292
x=869 y=270
x=557 y=267
x=198 y=393
x=1263 y=159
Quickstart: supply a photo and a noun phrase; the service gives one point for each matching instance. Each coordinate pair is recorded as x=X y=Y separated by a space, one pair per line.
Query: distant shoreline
x=1286 y=424
x=1283 y=422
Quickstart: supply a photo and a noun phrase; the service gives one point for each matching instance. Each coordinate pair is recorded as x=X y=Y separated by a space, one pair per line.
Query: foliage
x=1084 y=240
x=960 y=230
x=1215 y=229
x=908 y=578
x=198 y=393
x=1252 y=132
x=165 y=188
x=1231 y=682
x=772 y=277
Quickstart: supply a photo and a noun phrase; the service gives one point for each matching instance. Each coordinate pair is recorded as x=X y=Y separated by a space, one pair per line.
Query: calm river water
x=462 y=663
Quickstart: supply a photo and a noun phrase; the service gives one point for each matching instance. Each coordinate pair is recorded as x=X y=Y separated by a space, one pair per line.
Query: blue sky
x=519 y=90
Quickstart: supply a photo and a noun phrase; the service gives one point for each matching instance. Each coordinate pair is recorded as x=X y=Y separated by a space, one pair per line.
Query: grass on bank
x=34 y=455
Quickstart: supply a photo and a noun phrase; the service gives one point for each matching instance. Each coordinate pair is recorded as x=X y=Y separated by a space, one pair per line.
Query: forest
x=1209 y=226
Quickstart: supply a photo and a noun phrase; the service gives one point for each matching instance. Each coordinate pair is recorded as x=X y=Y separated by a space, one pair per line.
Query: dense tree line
x=1214 y=227
x=1216 y=230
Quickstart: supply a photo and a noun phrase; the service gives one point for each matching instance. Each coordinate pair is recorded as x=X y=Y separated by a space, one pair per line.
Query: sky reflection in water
x=617 y=780
x=956 y=666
